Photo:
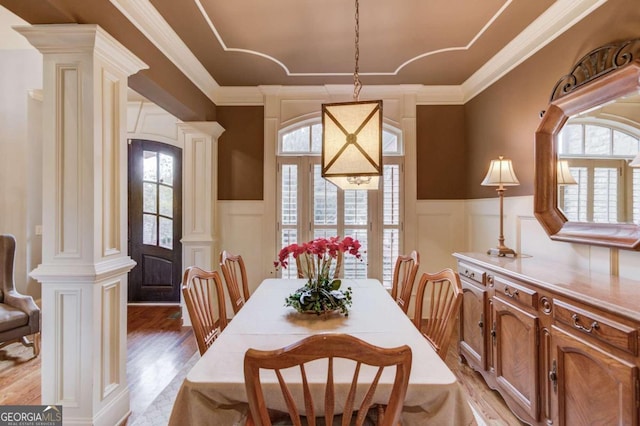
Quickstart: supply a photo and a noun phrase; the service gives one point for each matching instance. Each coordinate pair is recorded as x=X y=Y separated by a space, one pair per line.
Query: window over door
x=311 y=207
x=607 y=189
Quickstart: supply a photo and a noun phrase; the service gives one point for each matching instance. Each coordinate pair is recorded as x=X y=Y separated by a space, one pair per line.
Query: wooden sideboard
x=559 y=344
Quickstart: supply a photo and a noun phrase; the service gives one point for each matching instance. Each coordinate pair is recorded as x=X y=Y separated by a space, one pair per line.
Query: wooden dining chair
x=329 y=347
x=306 y=262
x=441 y=294
x=202 y=291
x=235 y=274
x=404 y=275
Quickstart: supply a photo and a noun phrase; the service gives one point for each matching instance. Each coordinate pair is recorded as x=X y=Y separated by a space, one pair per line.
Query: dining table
x=213 y=392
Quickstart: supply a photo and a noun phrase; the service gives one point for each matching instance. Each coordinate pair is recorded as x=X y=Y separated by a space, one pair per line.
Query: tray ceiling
x=214 y=44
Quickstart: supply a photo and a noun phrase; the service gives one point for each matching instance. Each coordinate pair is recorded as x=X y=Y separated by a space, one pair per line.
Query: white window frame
x=305 y=162
x=625 y=195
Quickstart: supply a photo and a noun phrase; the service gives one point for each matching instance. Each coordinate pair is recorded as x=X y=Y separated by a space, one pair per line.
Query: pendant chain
x=356 y=77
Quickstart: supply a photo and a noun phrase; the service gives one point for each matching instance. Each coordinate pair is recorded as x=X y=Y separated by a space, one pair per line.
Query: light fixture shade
x=564 y=174
x=352 y=144
x=636 y=161
x=356 y=182
x=500 y=174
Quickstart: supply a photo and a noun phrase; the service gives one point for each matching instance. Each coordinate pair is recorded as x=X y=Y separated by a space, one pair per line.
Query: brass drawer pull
x=469 y=274
x=510 y=294
x=576 y=324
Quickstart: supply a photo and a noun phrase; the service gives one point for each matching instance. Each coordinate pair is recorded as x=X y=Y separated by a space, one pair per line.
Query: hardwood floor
x=487 y=403
x=157 y=347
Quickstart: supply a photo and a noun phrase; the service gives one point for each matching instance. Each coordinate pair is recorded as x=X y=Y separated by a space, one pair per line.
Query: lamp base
x=501 y=251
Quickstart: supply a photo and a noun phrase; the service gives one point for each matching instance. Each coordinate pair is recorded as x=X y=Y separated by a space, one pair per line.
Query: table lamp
x=564 y=176
x=501 y=174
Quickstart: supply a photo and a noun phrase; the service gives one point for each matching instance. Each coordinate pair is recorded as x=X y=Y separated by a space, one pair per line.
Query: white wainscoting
x=241 y=232
x=524 y=234
x=443 y=227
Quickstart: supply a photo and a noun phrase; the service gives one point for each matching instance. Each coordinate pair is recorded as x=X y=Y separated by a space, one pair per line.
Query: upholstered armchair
x=19 y=315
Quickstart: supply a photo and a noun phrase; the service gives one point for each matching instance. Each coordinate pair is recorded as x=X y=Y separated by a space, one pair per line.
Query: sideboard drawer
x=599 y=327
x=518 y=293
x=472 y=273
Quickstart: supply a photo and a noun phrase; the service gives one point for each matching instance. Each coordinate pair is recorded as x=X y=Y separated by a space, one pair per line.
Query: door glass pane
x=624 y=144
x=289 y=236
x=166 y=169
x=355 y=207
x=597 y=140
x=296 y=141
x=149 y=198
x=391 y=194
x=575 y=196
x=325 y=199
x=571 y=140
x=166 y=201
x=150 y=166
x=324 y=233
x=289 y=194
x=166 y=233
x=149 y=229
x=389 y=143
x=356 y=268
x=316 y=138
x=605 y=194
x=636 y=196
x=390 y=252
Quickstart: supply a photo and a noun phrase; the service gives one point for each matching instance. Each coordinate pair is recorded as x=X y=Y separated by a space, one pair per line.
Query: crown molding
x=554 y=21
x=562 y=15
x=81 y=38
x=148 y=20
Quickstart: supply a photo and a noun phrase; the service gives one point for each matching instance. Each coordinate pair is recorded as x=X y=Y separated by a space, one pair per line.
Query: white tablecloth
x=213 y=392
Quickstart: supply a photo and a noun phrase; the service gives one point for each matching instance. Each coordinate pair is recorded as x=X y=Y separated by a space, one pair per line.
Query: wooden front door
x=155 y=221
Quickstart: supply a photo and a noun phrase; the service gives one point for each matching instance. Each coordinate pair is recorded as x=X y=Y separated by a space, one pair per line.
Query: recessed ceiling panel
x=293 y=42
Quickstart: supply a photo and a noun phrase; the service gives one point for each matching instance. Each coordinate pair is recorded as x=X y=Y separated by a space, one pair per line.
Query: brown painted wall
x=440 y=152
x=241 y=153
x=503 y=119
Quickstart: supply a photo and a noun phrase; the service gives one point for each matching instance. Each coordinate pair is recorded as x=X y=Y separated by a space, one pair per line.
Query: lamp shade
x=352 y=144
x=500 y=174
x=636 y=161
x=564 y=174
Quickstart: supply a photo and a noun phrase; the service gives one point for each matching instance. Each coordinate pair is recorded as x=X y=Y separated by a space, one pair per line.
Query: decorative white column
x=199 y=195
x=84 y=261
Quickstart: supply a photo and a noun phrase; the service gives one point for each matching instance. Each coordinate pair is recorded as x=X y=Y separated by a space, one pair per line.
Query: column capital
x=211 y=128
x=83 y=39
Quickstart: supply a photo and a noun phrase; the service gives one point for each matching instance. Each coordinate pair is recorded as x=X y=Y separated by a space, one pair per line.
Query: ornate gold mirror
x=593 y=124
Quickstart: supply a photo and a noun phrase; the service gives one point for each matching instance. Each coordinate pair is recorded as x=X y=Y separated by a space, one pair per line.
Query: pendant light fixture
x=352 y=136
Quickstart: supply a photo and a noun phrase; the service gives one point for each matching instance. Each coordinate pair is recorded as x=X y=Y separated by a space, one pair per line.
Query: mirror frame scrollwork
x=601 y=76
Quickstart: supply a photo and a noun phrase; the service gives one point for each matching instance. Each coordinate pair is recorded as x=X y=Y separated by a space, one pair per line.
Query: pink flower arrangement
x=321 y=294
x=324 y=248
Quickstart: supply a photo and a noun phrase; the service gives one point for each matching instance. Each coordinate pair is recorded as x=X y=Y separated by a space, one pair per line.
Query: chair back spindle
x=443 y=291
x=235 y=275
x=330 y=347
x=199 y=287
x=404 y=275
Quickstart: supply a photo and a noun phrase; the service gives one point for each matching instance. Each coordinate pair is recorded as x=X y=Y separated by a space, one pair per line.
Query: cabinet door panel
x=516 y=354
x=473 y=324
x=593 y=387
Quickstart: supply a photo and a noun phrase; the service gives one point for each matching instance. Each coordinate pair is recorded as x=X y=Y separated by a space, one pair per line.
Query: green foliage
x=320 y=296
